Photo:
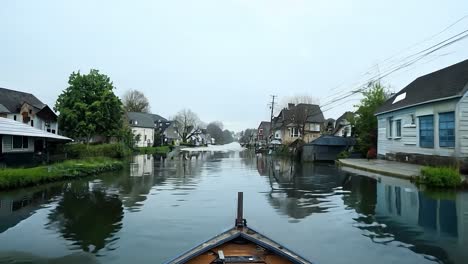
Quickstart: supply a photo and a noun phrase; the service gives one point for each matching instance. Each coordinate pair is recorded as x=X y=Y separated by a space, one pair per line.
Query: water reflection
x=88 y=216
x=299 y=190
x=390 y=211
x=122 y=217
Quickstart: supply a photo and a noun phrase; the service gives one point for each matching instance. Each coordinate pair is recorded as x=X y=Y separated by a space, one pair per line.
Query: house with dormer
x=28 y=109
x=427 y=121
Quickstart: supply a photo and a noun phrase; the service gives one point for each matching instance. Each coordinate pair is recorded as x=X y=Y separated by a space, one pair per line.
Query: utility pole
x=272 y=107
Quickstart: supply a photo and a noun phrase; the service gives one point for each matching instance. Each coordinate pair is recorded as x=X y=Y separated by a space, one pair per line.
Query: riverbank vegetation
x=364 y=121
x=154 y=150
x=114 y=150
x=11 y=178
x=441 y=177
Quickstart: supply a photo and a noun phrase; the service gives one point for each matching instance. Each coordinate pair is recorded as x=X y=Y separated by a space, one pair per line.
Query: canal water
x=157 y=208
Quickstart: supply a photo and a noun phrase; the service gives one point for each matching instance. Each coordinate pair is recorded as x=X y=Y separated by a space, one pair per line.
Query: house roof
x=343 y=117
x=15 y=128
x=13 y=100
x=313 y=112
x=264 y=124
x=144 y=119
x=327 y=140
x=447 y=83
x=3 y=109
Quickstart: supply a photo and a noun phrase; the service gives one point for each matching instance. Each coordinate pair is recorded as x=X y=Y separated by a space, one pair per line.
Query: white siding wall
x=38 y=122
x=409 y=141
x=7 y=145
x=142 y=131
x=462 y=124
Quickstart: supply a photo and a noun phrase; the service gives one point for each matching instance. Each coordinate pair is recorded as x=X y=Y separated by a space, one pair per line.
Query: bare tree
x=135 y=101
x=187 y=122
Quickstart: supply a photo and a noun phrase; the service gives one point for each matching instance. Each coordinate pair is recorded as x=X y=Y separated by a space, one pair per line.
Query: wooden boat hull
x=239 y=245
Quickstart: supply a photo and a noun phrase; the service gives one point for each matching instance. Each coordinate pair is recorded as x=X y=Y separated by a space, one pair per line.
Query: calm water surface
x=158 y=208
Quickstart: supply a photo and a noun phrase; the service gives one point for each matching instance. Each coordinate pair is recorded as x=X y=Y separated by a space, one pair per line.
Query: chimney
x=291 y=105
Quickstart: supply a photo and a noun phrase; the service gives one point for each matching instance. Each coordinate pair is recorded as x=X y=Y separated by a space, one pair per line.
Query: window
x=390 y=127
x=20 y=142
x=32 y=123
x=294 y=132
x=447 y=130
x=426 y=131
x=53 y=131
x=260 y=131
x=14 y=117
x=398 y=128
x=412 y=120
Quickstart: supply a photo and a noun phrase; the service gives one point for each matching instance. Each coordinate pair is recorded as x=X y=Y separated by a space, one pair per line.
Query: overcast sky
x=223 y=59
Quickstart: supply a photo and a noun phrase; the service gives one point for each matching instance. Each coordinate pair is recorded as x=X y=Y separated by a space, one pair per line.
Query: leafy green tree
x=89 y=107
x=365 y=122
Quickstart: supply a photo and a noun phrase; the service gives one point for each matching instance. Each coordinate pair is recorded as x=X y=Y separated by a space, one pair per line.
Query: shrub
x=115 y=150
x=441 y=176
x=154 y=150
x=371 y=153
x=343 y=155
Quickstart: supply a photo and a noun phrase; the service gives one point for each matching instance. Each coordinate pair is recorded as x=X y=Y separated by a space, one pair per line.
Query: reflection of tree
x=89 y=218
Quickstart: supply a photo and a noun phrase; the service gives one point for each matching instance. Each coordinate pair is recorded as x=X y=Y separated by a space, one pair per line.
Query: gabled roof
x=264 y=124
x=313 y=112
x=447 y=83
x=344 y=117
x=13 y=100
x=15 y=128
x=146 y=120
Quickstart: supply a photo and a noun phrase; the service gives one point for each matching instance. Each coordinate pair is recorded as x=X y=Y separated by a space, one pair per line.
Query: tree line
x=89 y=107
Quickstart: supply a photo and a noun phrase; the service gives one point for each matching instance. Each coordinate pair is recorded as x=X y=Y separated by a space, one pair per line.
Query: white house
x=343 y=126
x=144 y=126
x=427 y=119
x=20 y=138
x=26 y=108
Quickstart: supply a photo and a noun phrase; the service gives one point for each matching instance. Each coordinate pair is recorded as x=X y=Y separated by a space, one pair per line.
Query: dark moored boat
x=241 y=245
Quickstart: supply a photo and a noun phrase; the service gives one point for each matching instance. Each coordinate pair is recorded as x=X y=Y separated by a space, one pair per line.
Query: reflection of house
x=298 y=121
x=143 y=126
x=343 y=126
x=441 y=221
x=16 y=208
x=26 y=108
x=263 y=132
x=19 y=138
x=142 y=165
x=427 y=117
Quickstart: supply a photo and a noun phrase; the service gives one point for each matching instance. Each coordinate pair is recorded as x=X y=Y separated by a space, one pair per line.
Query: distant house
x=171 y=136
x=144 y=126
x=263 y=132
x=343 y=126
x=26 y=108
x=298 y=121
x=427 y=119
x=20 y=139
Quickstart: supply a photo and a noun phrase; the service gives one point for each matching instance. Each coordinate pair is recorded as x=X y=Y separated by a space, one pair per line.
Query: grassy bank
x=23 y=177
x=441 y=177
x=154 y=150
